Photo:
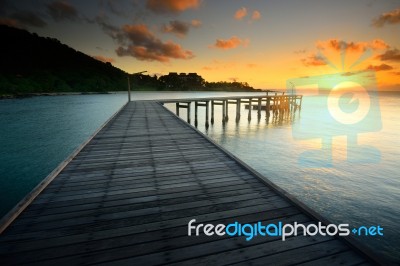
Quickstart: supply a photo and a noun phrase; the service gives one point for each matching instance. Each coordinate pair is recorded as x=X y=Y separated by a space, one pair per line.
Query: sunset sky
x=261 y=42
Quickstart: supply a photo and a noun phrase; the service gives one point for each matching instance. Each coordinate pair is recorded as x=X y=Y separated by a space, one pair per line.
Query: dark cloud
x=171 y=6
x=139 y=42
x=60 y=10
x=313 y=60
x=180 y=28
x=382 y=67
x=390 y=55
x=338 y=45
x=27 y=18
x=111 y=30
x=115 y=7
x=392 y=17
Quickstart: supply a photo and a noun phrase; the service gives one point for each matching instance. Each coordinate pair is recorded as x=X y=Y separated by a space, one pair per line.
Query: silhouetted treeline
x=33 y=64
x=30 y=63
x=229 y=86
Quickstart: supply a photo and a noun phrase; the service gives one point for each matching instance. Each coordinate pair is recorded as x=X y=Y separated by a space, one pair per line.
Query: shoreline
x=34 y=94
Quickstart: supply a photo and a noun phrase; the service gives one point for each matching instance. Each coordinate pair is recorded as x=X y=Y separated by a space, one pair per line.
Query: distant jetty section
x=277 y=105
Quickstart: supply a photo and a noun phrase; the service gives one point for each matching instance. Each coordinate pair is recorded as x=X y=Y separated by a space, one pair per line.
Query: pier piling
x=237 y=110
x=279 y=105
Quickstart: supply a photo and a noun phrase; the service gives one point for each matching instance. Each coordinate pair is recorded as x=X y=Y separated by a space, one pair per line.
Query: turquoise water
x=36 y=134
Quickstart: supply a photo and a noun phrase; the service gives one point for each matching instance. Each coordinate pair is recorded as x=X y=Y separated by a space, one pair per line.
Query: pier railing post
x=238 y=110
x=207 y=124
x=195 y=113
x=250 y=108
x=226 y=110
x=267 y=105
x=188 y=111
x=259 y=108
x=212 y=111
x=177 y=108
x=224 y=103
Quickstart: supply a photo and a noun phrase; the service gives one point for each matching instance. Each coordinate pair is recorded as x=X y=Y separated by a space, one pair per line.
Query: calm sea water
x=36 y=134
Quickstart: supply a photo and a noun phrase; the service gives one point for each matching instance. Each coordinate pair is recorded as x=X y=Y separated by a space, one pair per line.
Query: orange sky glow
x=264 y=43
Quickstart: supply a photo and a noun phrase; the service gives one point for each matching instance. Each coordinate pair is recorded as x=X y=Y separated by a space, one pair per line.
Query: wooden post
x=250 y=107
x=223 y=111
x=238 y=110
x=188 y=111
x=177 y=108
x=195 y=114
x=267 y=103
x=212 y=111
x=207 y=124
x=259 y=108
x=226 y=111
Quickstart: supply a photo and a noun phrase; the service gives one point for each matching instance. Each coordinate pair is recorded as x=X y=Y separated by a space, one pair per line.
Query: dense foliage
x=30 y=63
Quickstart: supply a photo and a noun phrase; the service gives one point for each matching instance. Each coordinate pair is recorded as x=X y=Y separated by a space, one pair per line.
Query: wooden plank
x=342 y=258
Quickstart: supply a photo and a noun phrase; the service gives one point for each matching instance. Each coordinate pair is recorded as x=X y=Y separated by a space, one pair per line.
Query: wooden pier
x=277 y=105
x=127 y=196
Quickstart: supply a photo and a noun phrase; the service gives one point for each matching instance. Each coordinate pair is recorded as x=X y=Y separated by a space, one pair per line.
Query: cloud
x=313 y=60
x=115 y=7
x=109 y=29
x=230 y=43
x=60 y=10
x=104 y=59
x=27 y=18
x=139 y=42
x=180 y=28
x=382 y=67
x=392 y=17
x=256 y=15
x=337 y=45
x=378 y=44
x=196 y=23
x=240 y=13
x=390 y=55
x=171 y=6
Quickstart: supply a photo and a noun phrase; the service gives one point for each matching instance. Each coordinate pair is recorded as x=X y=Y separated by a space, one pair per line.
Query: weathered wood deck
x=128 y=196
